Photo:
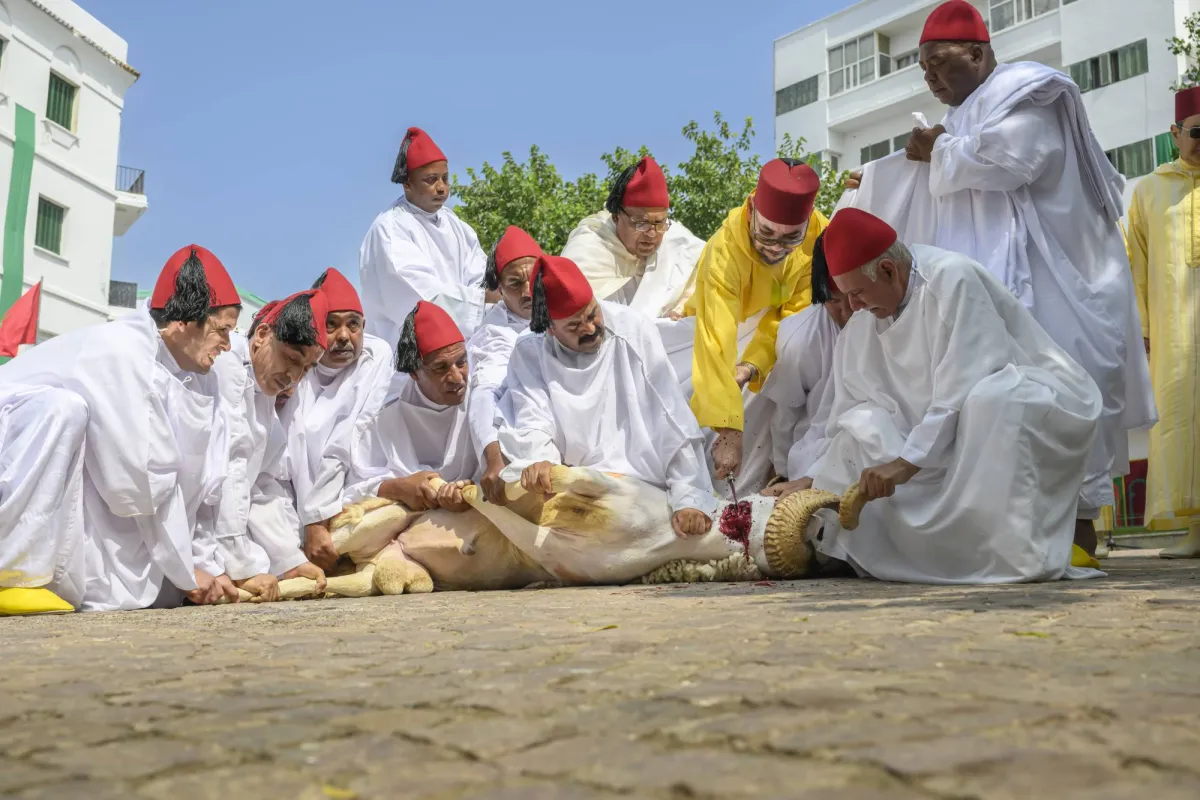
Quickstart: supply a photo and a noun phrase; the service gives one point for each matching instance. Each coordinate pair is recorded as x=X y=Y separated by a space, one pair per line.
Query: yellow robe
x=1164 y=250
x=733 y=284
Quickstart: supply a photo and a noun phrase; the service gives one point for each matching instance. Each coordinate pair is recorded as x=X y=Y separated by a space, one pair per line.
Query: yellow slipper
x=20 y=602
x=1080 y=558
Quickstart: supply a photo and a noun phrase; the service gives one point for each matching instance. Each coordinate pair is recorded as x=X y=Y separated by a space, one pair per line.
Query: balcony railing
x=131 y=180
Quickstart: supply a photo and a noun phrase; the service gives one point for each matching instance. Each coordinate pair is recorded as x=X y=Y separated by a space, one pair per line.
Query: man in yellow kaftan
x=754 y=271
x=1164 y=251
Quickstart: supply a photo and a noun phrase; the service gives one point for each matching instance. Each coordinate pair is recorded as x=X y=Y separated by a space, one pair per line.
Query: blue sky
x=268 y=129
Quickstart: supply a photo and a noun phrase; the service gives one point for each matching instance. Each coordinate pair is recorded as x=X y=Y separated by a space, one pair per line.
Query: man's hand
x=920 y=144
x=491 y=483
x=854 y=179
x=727 y=453
x=307 y=570
x=415 y=491
x=690 y=522
x=211 y=589
x=781 y=490
x=881 y=481
x=318 y=546
x=535 y=478
x=264 y=587
x=450 y=497
x=743 y=374
x=674 y=316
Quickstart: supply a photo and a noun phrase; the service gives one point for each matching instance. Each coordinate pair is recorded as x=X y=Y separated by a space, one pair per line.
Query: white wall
x=75 y=169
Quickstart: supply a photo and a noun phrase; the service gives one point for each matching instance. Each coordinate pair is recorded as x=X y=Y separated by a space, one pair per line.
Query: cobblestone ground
x=839 y=690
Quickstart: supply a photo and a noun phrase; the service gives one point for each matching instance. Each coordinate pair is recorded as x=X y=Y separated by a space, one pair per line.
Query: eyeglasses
x=1192 y=132
x=786 y=243
x=645 y=226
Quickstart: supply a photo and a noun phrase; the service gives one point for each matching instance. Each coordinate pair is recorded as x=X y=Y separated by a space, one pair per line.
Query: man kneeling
x=590 y=386
x=956 y=411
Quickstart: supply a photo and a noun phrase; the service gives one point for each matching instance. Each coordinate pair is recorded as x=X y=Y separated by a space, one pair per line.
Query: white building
x=848 y=84
x=63 y=78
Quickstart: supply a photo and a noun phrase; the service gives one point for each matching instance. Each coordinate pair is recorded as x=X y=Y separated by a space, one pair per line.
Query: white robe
x=411 y=434
x=799 y=385
x=152 y=464
x=257 y=529
x=663 y=284
x=488 y=352
x=966 y=385
x=1020 y=184
x=328 y=412
x=617 y=410
x=410 y=255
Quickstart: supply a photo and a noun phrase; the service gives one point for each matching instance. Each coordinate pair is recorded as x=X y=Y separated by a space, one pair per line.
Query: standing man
x=418 y=250
x=333 y=404
x=1019 y=183
x=1166 y=275
x=631 y=252
x=113 y=448
x=754 y=272
x=591 y=386
x=508 y=272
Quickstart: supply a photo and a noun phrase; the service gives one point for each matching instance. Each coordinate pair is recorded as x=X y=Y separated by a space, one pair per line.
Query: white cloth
x=1020 y=184
x=410 y=255
x=967 y=386
x=329 y=412
x=619 y=410
x=152 y=462
x=257 y=529
x=663 y=283
x=42 y=433
x=488 y=352
x=678 y=337
x=411 y=434
x=799 y=387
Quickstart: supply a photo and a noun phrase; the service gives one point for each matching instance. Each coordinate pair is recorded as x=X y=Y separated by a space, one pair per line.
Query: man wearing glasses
x=1017 y=181
x=754 y=272
x=1166 y=276
x=631 y=253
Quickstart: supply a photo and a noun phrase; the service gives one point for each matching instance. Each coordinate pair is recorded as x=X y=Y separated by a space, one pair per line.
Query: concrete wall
x=74 y=168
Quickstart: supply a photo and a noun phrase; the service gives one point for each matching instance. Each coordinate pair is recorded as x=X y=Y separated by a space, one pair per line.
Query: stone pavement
x=838 y=690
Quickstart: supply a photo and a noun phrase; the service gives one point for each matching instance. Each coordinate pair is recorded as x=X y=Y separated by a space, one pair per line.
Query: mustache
x=591 y=337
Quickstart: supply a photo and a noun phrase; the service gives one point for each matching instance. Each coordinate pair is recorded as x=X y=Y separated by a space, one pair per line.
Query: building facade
x=849 y=84
x=63 y=79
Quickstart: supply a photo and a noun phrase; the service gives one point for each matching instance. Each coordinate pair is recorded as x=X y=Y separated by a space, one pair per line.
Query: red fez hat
x=567 y=291
x=434 y=328
x=515 y=243
x=262 y=312
x=421 y=150
x=955 y=21
x=853 y=238
x=1187 y=103
x=220 y=285
x=647 y=187
x=317 y=301
x=340 y=293
x=786 y=195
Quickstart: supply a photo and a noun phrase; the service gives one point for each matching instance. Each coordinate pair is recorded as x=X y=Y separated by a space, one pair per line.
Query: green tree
x=1189 y=47
x=717 y=177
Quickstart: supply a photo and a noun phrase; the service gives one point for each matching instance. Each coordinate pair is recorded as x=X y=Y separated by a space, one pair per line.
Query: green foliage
x=1188 y=47
x=717 y=177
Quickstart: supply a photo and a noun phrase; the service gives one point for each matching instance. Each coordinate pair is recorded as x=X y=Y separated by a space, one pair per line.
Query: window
x=858 y=61
x=2 y=44
x=1115 y=65
x=60 y=102
x=874 y=151
x=1133 y=160
x=907 y=59
x=1006 y=13
x=48 y=235
x=901 y=141
x=1165 y=150
x=833 y=162
x=789 y=98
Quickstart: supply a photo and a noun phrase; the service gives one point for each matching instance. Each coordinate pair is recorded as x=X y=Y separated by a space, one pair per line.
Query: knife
x=732 y=491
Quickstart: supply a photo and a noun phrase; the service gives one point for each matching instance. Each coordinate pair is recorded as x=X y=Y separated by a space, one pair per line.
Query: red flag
x=20 y=324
